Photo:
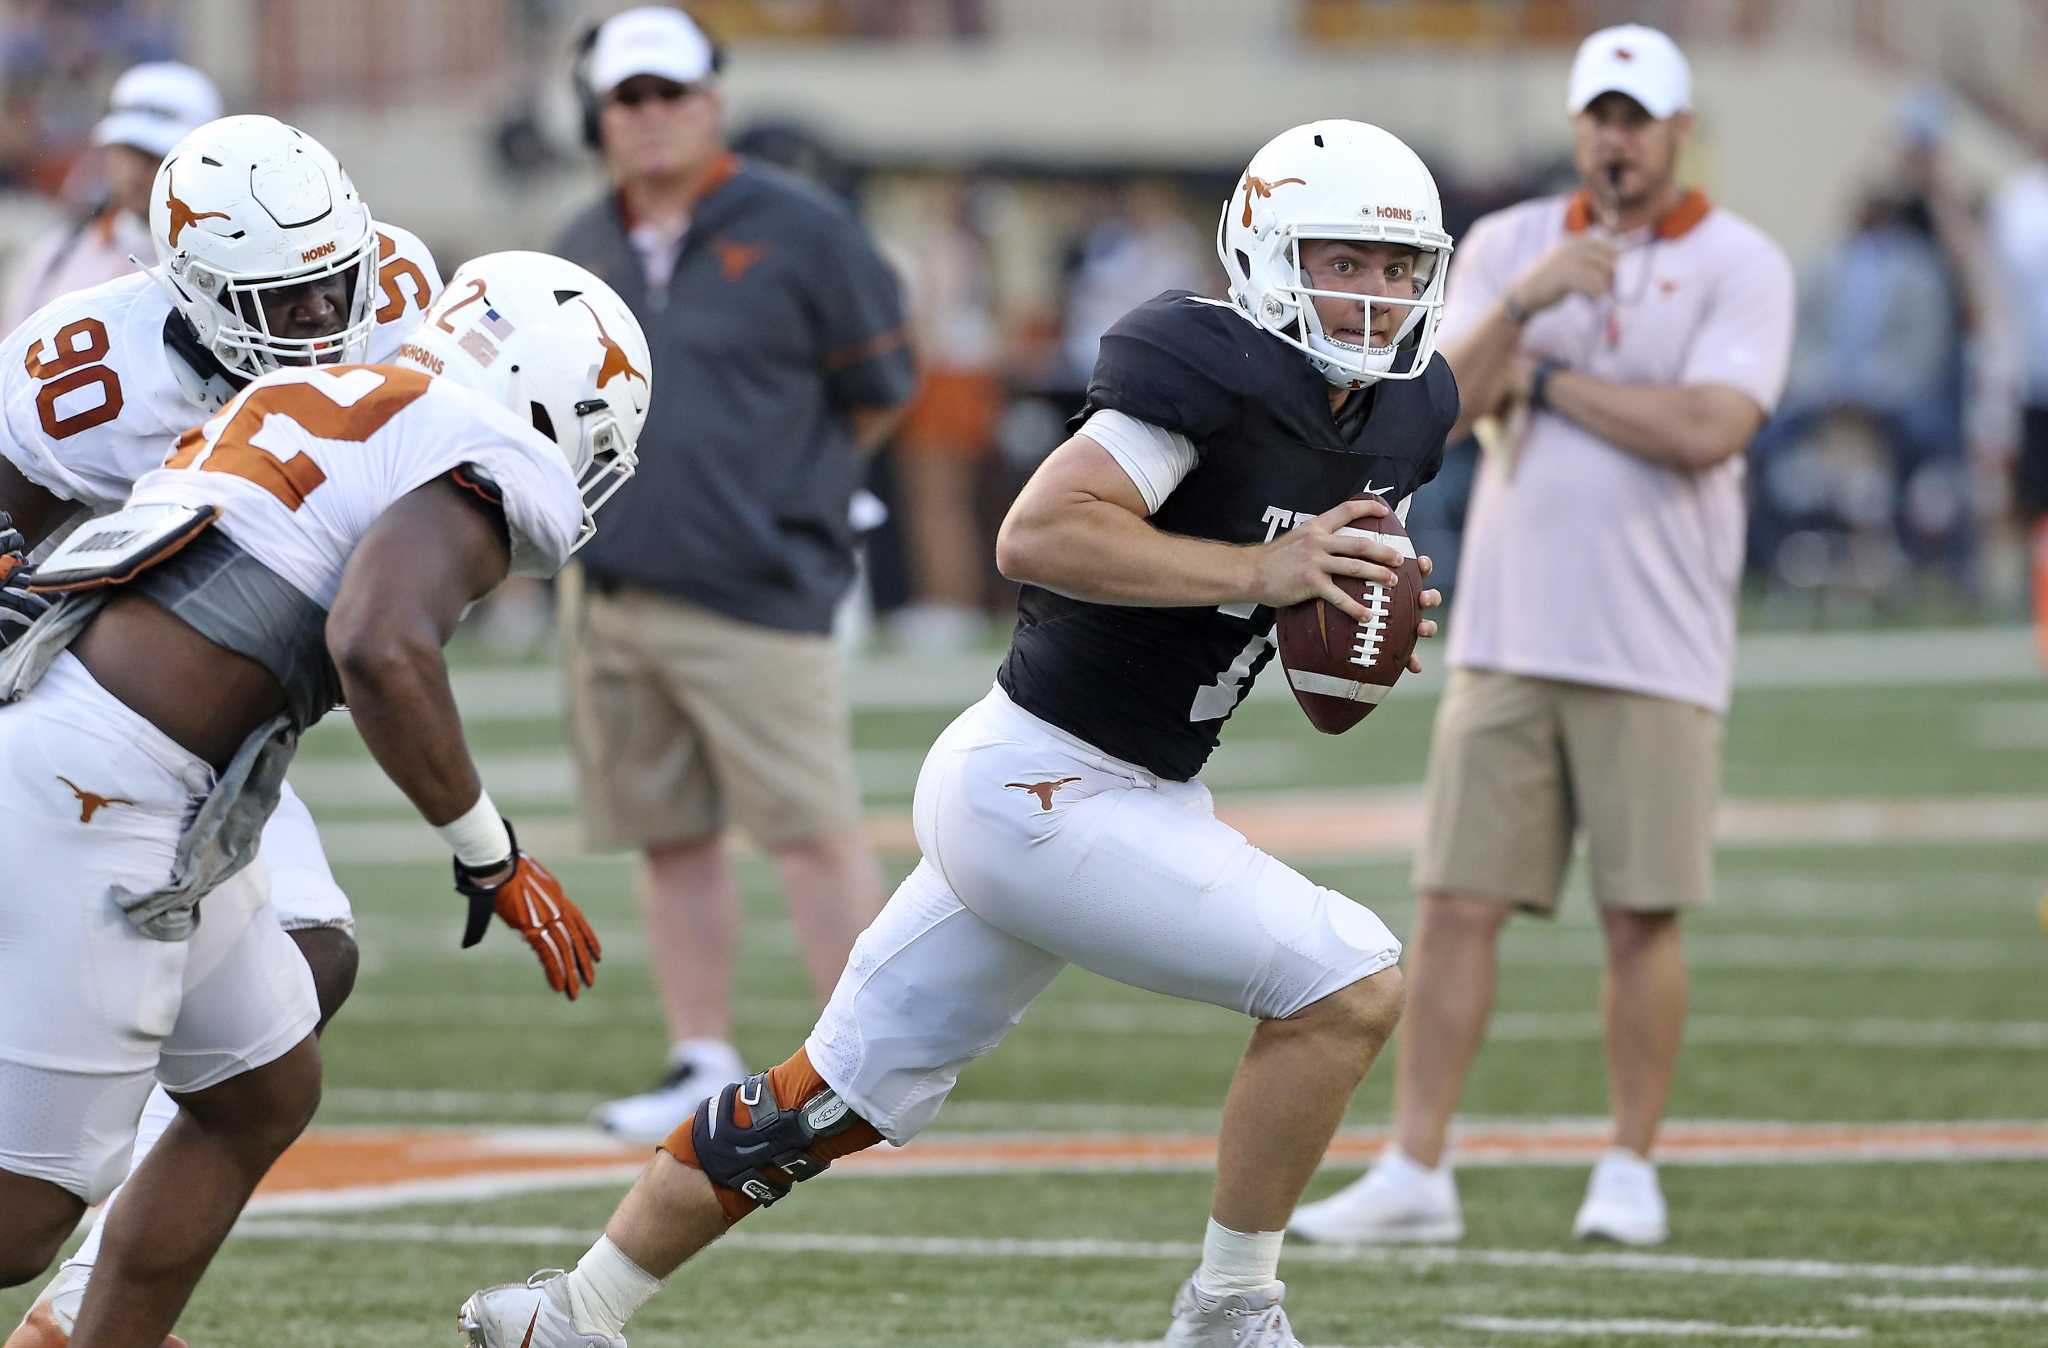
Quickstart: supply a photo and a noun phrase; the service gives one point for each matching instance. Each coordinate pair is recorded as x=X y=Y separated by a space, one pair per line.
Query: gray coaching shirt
x=779 y=319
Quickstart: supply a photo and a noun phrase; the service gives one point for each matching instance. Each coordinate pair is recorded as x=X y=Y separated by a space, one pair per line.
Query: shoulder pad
x=1442 y=387
x=1181 y=362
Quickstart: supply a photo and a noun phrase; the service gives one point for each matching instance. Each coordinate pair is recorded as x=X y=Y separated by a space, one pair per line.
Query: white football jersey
x=93 y=398
x=304 y=461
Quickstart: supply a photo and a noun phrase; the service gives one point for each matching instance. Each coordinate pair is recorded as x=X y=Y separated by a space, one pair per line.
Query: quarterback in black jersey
x=1149 y=673
x=1208 y=481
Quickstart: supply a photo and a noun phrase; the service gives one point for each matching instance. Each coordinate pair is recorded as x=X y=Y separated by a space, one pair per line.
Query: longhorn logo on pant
x=1042 y=790
x=89 y=802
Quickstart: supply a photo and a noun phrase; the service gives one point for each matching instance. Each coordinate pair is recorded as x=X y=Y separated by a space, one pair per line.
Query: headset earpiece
x=588 y=105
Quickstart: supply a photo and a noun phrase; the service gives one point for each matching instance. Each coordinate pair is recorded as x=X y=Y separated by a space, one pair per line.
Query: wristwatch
x=1539 y=384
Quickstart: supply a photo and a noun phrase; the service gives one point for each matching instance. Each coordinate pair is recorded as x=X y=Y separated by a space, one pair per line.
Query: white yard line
x=1896 y=659
x=467 y=1189
x=1953 y=1305
x=1661 y=1329
x=1748 y=822
x=572 y=1239
x=410 y=1105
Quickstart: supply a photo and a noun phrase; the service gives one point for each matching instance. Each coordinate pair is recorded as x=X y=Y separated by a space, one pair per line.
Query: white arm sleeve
x=1156 y=458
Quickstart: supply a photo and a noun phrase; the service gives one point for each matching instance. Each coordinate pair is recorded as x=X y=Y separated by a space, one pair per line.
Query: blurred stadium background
x=1861 y=1115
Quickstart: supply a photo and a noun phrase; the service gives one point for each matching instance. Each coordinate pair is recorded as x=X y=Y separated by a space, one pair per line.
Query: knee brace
x=757 y=1139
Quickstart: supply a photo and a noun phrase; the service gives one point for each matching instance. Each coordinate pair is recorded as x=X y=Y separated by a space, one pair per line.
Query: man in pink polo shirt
x=1629 y=338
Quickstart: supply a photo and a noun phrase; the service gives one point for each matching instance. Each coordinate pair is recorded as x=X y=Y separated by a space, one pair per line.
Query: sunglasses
x=632 y=94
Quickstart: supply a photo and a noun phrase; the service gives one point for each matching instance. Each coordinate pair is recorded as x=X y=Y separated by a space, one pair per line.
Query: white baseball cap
x=651 y=40
x=155 y=104
x=1631 y=59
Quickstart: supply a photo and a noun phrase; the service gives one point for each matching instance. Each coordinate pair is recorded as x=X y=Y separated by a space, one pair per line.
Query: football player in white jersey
x=265 y=257
x=316 y=542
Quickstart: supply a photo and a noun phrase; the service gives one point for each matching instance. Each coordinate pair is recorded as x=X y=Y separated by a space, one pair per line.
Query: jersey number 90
x=74 y=362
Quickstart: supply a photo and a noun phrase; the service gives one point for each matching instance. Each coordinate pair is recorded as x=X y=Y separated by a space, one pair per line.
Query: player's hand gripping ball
x=1339 y=667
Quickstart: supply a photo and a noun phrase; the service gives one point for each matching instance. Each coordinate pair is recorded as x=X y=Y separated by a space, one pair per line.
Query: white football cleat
x=530 y=1314
x=1623 y=1203
x=657 y=1113
x=54 y=1313
x=1396 y=1200
x=1233 y=1320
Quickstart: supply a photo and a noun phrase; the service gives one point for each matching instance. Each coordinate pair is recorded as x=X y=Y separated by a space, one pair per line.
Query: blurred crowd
x=1887 y=476
x=1886 y=482
x=57 y=60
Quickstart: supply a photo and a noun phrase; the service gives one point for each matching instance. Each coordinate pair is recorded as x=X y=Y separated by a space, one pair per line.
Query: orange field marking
x=367 y=1160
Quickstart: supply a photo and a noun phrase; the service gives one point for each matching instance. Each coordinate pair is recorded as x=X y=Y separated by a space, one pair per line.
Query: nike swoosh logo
x=749 y=1151
x=527 y=1342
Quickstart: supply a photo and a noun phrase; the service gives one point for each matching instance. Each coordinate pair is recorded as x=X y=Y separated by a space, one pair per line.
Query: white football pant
x=92 y=1012
x=1041 y=851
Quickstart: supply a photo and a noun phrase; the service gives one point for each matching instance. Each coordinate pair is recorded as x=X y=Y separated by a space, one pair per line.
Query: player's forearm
x=1678 y=427
x=1480 y=358
x=1101 y=553
x=403 y=707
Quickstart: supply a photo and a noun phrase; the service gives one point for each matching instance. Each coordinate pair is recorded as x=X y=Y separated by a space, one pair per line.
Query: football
x=1339 y=667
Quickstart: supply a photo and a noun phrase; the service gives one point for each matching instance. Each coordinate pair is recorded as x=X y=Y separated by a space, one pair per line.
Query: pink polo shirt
x=1582 y=561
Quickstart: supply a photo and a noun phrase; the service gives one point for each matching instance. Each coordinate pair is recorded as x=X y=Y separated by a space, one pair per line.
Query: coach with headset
x=703 y=688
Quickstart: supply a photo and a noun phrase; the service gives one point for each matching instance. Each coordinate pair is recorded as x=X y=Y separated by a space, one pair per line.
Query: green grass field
x=1874 y=956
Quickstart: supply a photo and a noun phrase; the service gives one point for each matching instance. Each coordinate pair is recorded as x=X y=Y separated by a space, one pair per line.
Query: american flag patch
x=495 y=324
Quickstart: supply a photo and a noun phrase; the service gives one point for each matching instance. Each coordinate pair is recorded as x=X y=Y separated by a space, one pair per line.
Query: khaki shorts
x=1520 y=764
x=685 y=721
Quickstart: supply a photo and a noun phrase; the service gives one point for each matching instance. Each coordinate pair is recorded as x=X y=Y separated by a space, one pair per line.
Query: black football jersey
x=1153 y=686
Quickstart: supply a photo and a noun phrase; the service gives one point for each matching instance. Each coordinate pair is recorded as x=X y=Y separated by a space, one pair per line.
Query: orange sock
x=793 y=1081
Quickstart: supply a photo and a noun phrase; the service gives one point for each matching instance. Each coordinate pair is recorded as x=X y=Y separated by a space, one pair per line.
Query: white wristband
x=479 y=838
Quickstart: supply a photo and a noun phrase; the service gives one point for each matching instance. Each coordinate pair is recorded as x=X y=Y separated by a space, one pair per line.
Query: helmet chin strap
x=1323 y=353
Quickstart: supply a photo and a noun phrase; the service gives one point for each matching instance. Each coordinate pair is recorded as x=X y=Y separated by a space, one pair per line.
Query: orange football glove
x=531 y=902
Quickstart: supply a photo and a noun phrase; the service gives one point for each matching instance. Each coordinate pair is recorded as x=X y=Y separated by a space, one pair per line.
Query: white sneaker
x=1396 y=1200
x=54 y=1313
x=530 y=1314
x=1233 y=1320
x=654 y=1115
x=1623 y=1202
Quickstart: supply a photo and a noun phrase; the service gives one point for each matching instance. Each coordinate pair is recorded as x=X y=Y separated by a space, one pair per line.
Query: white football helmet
x=245 y=205
x=1334 y=180
x=557 y=346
